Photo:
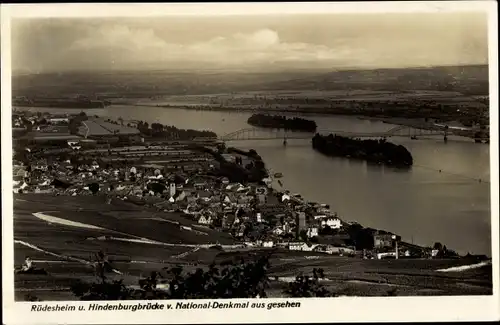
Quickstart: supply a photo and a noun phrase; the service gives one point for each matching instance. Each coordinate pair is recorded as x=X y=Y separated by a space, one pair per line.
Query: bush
x=306 y=286
x=32 y=298
x=94 y=188
x=235 y=280
x=114 y=290
x=244 y=280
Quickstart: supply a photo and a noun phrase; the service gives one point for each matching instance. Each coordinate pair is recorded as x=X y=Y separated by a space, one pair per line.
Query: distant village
x=174 y=176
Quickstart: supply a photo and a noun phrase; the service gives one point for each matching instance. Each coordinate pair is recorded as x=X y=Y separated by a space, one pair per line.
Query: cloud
x=127 y=44
x=264 y=43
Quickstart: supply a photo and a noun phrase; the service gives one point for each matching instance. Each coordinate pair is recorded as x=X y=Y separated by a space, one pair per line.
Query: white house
x=333 y=250
x=321 y=216
x=300 y=246
x=171 y=189
x=285 y=197
x=278 y=231
x=297 y=246
x=269 y=243
x=205 y=220
x=58 y=120
x=385 y=255
x=312 y=232
x=333 y=223
x=95 y=165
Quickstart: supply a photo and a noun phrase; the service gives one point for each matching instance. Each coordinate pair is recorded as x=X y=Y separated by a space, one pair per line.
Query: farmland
x=139 y=240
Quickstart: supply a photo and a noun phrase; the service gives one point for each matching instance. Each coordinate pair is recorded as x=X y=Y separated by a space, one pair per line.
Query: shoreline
x=416 y=122
x=275 y=191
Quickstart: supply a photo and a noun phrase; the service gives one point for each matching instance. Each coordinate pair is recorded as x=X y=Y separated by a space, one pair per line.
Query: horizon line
x=21 y=72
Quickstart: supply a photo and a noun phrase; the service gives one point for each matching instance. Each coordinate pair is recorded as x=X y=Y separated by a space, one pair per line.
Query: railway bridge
x=254 y=133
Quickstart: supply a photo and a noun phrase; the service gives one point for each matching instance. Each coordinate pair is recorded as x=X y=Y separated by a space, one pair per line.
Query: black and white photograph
x=296 y=155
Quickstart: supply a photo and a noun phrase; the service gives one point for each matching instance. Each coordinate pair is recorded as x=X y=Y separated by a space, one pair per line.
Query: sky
x=324 y=41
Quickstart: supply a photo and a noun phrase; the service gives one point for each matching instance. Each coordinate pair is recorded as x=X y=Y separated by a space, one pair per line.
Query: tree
x=179 y=179
x=60 y=184
x=327 y=230
x=94 y=188
x=221 y=148
x=237 y=280
x=306 y=286
x=438 y=246
x=157 y=188
x=303 y=235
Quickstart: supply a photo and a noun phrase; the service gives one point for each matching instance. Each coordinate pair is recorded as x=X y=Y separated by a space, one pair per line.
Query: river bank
x=457 y=129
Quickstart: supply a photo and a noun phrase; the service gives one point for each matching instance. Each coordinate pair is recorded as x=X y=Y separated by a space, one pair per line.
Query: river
x=422 y=205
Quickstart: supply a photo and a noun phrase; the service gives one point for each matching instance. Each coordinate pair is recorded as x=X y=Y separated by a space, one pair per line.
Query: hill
x=469 y=80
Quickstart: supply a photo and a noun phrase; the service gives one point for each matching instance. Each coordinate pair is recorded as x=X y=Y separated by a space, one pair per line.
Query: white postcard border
x=345 y=309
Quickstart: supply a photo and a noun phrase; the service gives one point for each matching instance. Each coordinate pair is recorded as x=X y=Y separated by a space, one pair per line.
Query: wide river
x=422 y=205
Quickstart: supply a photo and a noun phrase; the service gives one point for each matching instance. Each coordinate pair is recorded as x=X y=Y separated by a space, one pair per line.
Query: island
x=282 y=122
x=375 y=151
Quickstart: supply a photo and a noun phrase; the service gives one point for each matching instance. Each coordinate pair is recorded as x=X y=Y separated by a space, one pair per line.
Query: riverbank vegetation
x=375 y=151
x=282 y=122
x=158 y=130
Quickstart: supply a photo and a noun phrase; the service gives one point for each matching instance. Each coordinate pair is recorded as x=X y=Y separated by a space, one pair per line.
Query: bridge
x=273 y=134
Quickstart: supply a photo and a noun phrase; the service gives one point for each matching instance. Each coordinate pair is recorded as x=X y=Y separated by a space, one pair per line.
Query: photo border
x=345 y=309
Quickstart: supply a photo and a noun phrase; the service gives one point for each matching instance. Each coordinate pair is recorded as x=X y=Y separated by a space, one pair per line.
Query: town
x=188 y=172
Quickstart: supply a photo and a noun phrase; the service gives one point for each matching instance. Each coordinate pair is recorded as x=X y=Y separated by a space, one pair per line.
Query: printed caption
x=161 y=306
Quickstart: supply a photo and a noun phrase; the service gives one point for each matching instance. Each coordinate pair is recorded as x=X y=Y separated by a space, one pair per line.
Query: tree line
x=282 y=122
x=158 y=130
x=235 y=279
x=375 y=151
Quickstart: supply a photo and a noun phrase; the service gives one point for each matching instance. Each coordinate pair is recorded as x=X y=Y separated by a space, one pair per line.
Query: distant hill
x=469 y=80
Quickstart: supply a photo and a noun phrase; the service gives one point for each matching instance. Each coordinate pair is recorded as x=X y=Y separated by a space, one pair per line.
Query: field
x=282 y=100
x=449 y=93
x=63 y=239
x=469 y=80
x=98 y=127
